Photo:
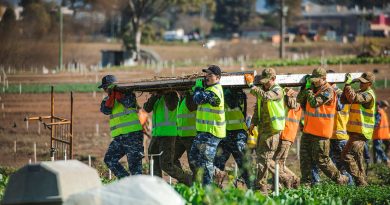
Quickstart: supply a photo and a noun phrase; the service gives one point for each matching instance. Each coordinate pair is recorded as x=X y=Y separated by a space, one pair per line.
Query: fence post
x=35 y=152
x=97 y=129
x=39 y=128
x=15 y=150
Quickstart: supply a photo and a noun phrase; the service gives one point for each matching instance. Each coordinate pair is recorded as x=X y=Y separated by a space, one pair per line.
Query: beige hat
x=366 y=77
x=267 y=75
x=317 y=74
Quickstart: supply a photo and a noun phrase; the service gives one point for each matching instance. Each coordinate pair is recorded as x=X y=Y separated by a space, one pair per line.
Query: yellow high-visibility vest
x=362 y=120
x=211 y=119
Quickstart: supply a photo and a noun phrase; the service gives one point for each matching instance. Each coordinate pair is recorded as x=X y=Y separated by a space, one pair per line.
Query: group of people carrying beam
x=209 y=123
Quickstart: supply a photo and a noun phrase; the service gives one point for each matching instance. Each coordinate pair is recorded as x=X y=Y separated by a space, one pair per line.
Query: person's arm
x=129 y=100
x=148 y=106
x=322 y=98
x=271 y=95
x=255 y=116
x=191 y=105
x=104 y=109
x=353 y=97
x=292 y=102
x=202 y=96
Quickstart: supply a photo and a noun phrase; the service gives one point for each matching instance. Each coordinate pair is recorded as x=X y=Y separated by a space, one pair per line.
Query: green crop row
x=318 y=61
x=46 y=88
x=321 y=194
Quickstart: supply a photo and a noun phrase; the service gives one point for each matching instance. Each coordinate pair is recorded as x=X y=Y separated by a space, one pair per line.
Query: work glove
x=198 y=84
x=250 y=129
x=348 y=79
x=249 y=78
x=308 y=82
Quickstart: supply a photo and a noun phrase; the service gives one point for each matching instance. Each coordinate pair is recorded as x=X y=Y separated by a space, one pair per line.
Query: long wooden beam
x=227 y=80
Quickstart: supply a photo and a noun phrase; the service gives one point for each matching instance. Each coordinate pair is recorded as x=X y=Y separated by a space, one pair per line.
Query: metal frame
x=61 y=131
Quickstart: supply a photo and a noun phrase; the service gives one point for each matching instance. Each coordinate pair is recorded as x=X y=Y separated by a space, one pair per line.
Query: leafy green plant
x=324 y=194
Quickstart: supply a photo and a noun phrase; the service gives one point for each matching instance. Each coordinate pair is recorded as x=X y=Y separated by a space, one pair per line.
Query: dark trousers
x=167 y=162
x=130 y=145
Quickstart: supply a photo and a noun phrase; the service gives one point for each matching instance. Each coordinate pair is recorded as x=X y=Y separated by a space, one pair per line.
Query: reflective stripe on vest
x=212 y=119
x=185 y=121
x=163 y=120
x=235 y=119
x=292 y=125
x=382 y=131
x=340 y=123
x=319 y=121
x=362 y=120
x=123 y=120
x=126 y=112
x=276 y=111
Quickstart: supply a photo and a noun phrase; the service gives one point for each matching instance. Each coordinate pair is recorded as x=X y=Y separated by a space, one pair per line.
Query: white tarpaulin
x=140 y=190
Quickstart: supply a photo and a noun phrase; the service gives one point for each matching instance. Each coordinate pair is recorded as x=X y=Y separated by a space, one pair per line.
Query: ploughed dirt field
x=91 y=131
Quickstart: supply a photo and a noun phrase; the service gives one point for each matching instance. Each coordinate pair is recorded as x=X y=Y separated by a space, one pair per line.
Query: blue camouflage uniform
x=204 y=146
x=235 y=141
x=130 y=144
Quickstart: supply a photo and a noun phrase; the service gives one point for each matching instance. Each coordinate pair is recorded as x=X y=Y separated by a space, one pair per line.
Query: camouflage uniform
x=353 y=151
x=204 y=146
x=235 y=144
x=337 y=145
x=314 y=149
x=202 y=154
x=268 y=138
x=287 y=177
x=168 y=161
x=235 y=141
x=130 y=144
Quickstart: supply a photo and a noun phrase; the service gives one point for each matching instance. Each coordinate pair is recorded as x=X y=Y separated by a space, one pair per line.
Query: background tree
x=230 y=14
x=36 y=19
x=138 y=13
x=8 y=23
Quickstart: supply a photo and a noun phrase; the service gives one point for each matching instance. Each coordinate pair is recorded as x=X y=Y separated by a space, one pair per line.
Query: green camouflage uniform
x=352 y=154
x=268 y=138
x=287 y=177
x=315 y=149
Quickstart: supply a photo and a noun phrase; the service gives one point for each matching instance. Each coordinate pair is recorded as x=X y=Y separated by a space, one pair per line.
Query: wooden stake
x=89 y=161
x=97 y=129
x=35 y=152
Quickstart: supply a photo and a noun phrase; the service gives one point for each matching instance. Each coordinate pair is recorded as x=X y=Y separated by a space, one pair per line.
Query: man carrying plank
x=269 y=116
x=319 y=100
x=210 y=123
x=126 y=129
x=360 y=127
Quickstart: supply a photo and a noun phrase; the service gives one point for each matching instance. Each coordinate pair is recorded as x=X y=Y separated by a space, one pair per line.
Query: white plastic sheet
x=139 y=190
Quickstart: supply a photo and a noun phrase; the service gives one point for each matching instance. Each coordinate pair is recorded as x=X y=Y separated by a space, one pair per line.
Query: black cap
x=214 y=69
x=107 y=80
